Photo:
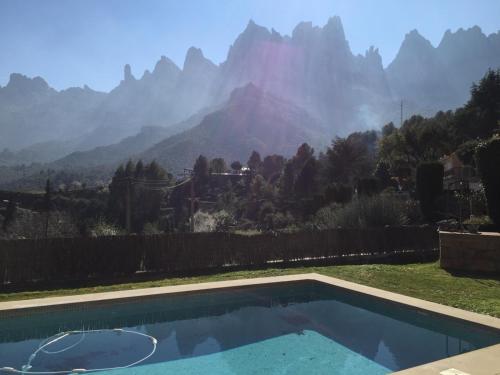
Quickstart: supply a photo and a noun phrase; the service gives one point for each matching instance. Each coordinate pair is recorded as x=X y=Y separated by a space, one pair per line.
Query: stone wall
x=470 y=252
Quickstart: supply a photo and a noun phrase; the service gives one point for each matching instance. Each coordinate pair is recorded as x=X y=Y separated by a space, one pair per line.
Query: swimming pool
x=302 y=327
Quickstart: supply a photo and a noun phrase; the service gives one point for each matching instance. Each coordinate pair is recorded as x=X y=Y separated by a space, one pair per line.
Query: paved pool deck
x=479 y=362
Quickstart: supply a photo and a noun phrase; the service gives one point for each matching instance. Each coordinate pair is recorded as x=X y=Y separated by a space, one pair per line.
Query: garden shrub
x=103 y=228
x=365 y=212
x=382 y=210
x=325 y=217
x=338 y=193
x=278 y=220
x=151 y=229
x=488 y=162
x=223 y=221
x=368 y=186
x=429 y=187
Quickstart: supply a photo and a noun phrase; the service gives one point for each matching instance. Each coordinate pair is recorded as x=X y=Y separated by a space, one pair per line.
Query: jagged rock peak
x=251 y=25
x=414 y=47
x=127 y=73
x=335 y=22
x=471 y=35
x=474 y=30
x=334 y=28
x=165 y=66
x=20 y=81
x=253 y=30
x=414 y=36
x=372 y=55
x=247 y=91
x=252 y=34
x=195 y=58
x=305 y=30
x=194 y=53
x=414 y=43
x=302 y=28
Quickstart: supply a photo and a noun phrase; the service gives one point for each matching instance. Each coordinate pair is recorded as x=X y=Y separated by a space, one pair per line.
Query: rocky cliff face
x=250 y=120
x=466 y=55
x=432 y=78
x=32 y=112
x=314 y=69
x=195 y=84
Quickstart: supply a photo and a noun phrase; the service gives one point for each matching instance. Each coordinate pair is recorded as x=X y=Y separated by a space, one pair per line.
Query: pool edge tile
x=484 y=361
x=61 y=301
x=46 y=303
x=456 y=313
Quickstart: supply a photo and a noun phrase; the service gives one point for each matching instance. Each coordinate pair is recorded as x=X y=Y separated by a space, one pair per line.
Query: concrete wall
x=470 y=252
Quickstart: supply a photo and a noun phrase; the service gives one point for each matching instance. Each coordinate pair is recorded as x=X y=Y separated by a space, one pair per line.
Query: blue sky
x=77 y=42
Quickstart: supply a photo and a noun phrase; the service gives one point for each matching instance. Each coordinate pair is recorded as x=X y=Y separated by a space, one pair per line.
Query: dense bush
x=151 y=229
x=488 y=160
x=204 y=222
x=382 y=175
x=33 y=224
x=338 y=193
x=220 y=221
x=366 y=212
x=278 y=221
x=223 y=221
x=429 y=187
x=368 y=186
x=466 y=151
x=103 y=228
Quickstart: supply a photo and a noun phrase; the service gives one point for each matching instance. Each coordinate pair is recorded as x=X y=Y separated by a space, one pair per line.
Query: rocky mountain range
x=319 y=87
x=250 y=120
x=431 y=78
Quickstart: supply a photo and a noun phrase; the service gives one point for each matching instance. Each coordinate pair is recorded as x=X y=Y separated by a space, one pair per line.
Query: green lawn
x=425 y=281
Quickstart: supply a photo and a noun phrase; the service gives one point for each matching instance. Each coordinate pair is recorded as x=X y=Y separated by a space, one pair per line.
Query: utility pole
x=48 y=206
x=128 y=209
x=401 y=120
x=191 y=220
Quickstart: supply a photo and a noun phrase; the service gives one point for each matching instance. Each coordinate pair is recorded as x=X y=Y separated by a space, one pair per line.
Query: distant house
x=458 y=176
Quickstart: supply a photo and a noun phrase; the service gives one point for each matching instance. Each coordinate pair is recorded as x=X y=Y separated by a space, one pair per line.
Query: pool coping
x=478 y=362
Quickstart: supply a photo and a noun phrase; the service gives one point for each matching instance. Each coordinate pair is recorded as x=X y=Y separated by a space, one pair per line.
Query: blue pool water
x=296 y=328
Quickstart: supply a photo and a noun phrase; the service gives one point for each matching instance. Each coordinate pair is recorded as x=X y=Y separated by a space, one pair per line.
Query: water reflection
x=190 y=326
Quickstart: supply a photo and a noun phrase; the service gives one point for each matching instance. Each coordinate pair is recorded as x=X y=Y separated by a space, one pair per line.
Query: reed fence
x=59 y=259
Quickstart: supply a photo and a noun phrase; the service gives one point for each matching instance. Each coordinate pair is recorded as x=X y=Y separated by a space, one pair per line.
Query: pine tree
x=130 y=169
x=139 y=170
x=254 y=162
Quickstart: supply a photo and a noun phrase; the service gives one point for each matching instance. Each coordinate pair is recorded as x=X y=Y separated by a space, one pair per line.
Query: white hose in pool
x=51 y=340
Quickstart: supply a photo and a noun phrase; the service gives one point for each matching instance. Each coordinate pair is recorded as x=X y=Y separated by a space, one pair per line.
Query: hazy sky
x=76 y=42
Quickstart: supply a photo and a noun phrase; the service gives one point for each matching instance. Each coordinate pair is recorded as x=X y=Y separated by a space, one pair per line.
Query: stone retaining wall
x=470 y=252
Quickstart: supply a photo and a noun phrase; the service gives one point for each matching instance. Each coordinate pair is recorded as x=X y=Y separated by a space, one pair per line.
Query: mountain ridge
x=313 y=68
x=250 y=120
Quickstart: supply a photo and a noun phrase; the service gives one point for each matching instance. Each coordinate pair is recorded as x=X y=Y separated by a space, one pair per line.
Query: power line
x=156 y=185
x=164 y=184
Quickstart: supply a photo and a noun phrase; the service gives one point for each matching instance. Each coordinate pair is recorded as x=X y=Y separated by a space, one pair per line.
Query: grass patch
x=426 y=281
